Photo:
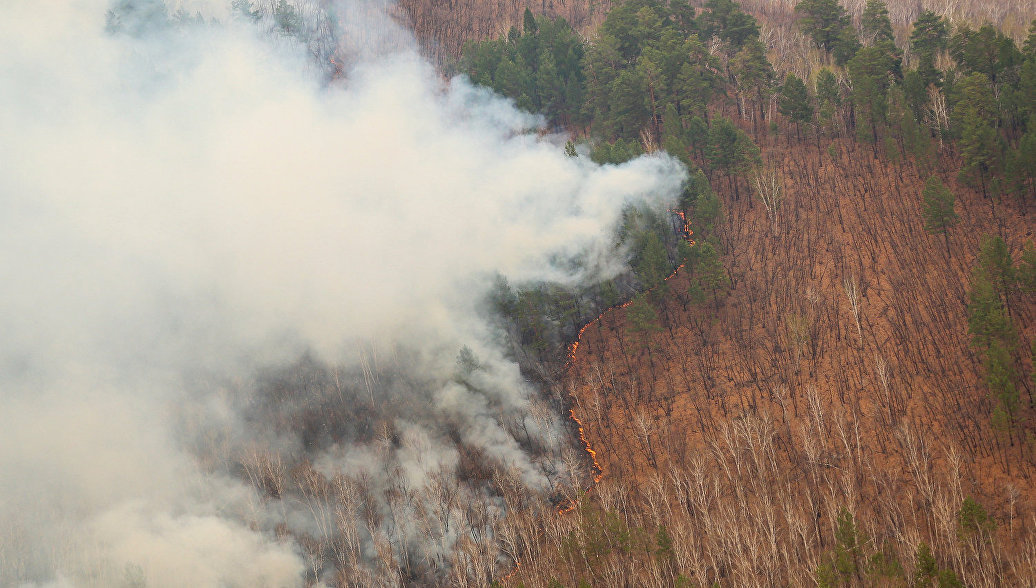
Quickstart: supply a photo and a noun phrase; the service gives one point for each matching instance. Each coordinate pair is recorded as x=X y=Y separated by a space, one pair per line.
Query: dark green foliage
x=987 y=316
x=1000 y=379
x=927 y=571
x=664 y=542
x=707 y=271
x=1020 y=165
x=823 y=21
x=726 y=20
x=995 y=261
x=794 y=102
x=529 y=23
x=987 y=51
x=846 y=47
x=541 y=69
x=730 y=150
x=620 y=151
x=972 y=518
x=981 y=146
x=1026 y=270
x=875 y=23
x=847 y=544
x=870 y=71
x=929 y=34
x=753 y=73
x=651 y=262
x=828 y=97
x=927 y=39
x=937 y=206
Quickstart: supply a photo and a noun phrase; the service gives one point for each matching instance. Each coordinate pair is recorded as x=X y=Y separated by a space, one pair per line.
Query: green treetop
x=937 y=206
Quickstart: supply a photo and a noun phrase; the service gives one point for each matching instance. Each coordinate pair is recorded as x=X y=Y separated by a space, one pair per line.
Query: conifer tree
x=823 y=21
x=875 y=23
x=927 y=38
x=794 y=102
x=937 y=208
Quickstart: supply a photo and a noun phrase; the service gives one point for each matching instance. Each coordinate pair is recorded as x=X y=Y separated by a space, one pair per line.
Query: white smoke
x=179 y=210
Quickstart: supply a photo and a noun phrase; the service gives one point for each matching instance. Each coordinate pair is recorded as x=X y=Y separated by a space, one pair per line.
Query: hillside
x=821 y=403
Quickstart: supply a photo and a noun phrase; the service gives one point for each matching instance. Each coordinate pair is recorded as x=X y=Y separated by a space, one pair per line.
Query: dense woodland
x=837 y=388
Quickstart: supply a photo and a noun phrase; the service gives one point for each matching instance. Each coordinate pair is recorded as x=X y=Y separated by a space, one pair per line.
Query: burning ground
x=244 y=330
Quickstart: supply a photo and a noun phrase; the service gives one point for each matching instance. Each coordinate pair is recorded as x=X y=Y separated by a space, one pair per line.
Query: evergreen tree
x=927 y=38
x=994 y=258
x=726 y=20
x=1000 y=379
x=709 y=273
x=986 y=51
x=847 y=46
x=987 y=318
x=828 y=97
x=1026 y=271
x=794 y=102
x=643 y=319
x=937 y=208
x=875 y=23
x=980 y=143
x=823 y=21
x=870 y=71
x=529 y=22
x=754 y=74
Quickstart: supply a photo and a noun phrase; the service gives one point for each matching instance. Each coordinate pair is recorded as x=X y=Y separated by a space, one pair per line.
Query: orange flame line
x=597 y=468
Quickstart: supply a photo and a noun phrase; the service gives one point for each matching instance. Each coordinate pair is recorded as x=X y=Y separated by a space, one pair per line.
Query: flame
x=597 y=468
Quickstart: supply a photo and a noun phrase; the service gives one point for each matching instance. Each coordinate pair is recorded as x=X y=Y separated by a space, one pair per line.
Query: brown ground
x=890 y=421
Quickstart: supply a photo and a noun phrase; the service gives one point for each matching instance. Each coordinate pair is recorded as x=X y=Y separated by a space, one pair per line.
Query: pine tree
x=937 y=208
x=823 y=21
x=529 y=22
x=875 y=23
x=987 y=318
x=827 y=95
x=981 y=146
x=709 y=273
x=754 y=74
x=795 y=102
x=927 y=38
x=869 y=71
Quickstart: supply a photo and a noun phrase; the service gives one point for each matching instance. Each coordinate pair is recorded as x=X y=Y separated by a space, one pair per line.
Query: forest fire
x=598 y=469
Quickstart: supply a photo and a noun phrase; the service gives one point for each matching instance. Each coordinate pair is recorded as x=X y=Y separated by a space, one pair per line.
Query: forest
x=664 y=293
x=836 y=388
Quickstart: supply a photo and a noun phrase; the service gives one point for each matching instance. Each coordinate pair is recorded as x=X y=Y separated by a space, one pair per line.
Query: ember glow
x=232 y=288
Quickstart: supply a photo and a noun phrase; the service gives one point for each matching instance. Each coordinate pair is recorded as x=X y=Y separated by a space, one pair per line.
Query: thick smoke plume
x=235 y=295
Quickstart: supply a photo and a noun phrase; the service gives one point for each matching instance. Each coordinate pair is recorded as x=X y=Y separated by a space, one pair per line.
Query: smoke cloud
x=195 y=227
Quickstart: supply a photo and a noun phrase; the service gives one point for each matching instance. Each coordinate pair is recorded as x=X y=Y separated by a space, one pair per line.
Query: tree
x=529 y=22
x=730 y=150
x=937 y=208
x=823 y=21
x=794 y=102
x=927 y=38
x=987 y=318
x=754 y=74
x=828 y=96
x=980 y=143
x=994 y=258
x=875 y=23
x=1000 y=379
x=986 y=51
x=643 y=319
x=709 y=273
x=870 y=72
x=652 y=262
x=1026 y=271
x=726 y=20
